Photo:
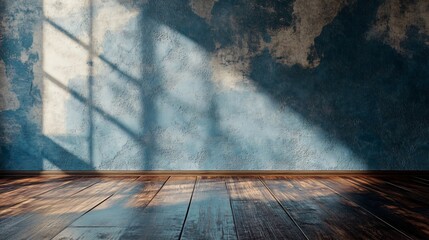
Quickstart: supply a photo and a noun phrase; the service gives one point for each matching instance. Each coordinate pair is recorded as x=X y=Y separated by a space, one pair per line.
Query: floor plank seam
x=398 y=186
x=122 y=227
x=366 y=210
x=189 y=206
x=360 y=185
x=408 y=189
x=423 y=179
x=163 y=184
x=96 y=205
x=85 y=188
x=82 y=215
x=39 y=194
x=422 y=182
x=342 y=207
x=284 y=208
x=232 y=209
x=383 y=191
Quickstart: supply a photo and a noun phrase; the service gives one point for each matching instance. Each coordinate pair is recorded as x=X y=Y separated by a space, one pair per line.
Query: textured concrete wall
x=214 y=84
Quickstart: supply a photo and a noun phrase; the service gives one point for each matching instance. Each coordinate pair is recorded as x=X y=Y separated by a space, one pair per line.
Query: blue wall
x=214 y=85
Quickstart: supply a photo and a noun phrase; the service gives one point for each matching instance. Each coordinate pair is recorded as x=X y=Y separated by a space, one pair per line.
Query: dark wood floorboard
x=210 y=214
x=257 y=213
x=400 y=201
x=421 y=181
x=387 y=205
x=414 y=187
x=425 y=179
x=190 y=207
x=323 y=214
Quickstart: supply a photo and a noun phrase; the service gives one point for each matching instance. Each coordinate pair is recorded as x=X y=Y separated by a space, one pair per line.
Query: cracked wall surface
x=214 y=85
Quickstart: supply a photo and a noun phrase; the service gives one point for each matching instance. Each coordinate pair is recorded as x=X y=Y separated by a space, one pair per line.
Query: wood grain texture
x=21 y=190
x=210 y=214
x=165 y=215
x=256 y=212
x=386 y=206
x=90 y=233
x=123 y=208
x=400 y=201
x=414 y=187
x=213 y=207
x=15 y=182
x=423 y=178
x=323 y=214
x=48 y=216
x=18 y=213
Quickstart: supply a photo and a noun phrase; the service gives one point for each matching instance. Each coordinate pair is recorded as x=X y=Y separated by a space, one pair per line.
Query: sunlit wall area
x=65 y=57
x=214 y=85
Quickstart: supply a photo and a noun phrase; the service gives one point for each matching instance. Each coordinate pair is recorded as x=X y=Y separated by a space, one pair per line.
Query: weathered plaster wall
x=214 y=84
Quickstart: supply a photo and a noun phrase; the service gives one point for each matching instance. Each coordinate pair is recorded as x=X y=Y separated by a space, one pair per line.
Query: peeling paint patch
x=203 y=8
x=394 y=19
x=292 y=45
x=18 y=12
x=231 y=65
x=288 y=44
x=8 y=99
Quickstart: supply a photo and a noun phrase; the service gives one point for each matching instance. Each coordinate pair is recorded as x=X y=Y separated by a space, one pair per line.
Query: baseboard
x=216 y=172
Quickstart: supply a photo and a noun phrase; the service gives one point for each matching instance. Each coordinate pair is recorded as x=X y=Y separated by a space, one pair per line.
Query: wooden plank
x=403 y=191
x=8 y=185
x=425 y=179
x=411 y=222
x=400 y=200
x=18 y=213
x=23 y=190
x=210 y=214
x=323 y=214
x=49 y=216
x=416 y=188
x=43 y=214
x=257 y=214
x=74 y=186
x=421 y=181
x=163 y=218
x=90 y=233
x=123 y=207
x=19 y=182
x=13 y=181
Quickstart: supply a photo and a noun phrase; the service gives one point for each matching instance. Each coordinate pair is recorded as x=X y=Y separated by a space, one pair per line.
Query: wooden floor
x=205 y=207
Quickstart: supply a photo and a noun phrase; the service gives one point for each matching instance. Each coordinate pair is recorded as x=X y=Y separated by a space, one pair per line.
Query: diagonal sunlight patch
x=86 y=95
x=135 y=94
x=215 y=118
x=66 y=64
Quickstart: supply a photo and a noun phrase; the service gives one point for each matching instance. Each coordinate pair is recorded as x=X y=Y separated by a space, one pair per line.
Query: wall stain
x=203 y=8
x=395 y=18
x=8 y=99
